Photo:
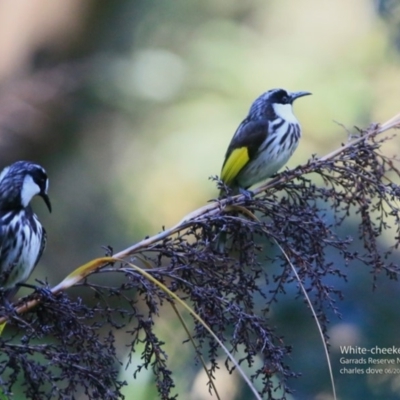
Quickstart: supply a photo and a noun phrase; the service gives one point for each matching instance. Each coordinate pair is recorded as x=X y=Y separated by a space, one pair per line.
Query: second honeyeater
x=264 y=141
x=22 y=236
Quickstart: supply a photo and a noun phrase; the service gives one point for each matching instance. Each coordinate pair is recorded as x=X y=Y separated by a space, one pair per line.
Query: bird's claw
x=248 y=194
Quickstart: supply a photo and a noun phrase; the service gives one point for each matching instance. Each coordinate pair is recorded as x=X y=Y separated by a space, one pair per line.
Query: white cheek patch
x=285 y=111
x=29 y=189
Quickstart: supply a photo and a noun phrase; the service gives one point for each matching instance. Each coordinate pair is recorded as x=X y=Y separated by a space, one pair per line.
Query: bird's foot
x=248 y=194
x=44 y=292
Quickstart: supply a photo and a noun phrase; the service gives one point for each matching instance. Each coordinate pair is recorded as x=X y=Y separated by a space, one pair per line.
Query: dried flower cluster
x=61 y=347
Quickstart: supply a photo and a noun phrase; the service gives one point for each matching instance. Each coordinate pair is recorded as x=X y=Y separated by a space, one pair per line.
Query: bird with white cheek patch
x=264 y=141
x=261 y=145
x=22 y=236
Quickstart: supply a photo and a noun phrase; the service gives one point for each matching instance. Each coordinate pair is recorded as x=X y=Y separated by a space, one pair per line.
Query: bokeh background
x=130 y=106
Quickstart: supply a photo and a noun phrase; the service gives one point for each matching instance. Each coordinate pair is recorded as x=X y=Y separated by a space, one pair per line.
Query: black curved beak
x=46 y=199
x=296 y=95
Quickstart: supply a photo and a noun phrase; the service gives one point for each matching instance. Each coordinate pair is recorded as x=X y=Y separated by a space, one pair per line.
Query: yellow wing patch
x=234 y=164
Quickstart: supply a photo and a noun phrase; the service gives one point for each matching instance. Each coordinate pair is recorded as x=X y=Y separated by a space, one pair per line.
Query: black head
x=20 y=182
x=264 y=104
x=282 y=96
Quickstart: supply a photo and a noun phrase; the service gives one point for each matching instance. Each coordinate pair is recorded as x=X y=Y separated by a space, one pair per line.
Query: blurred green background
x=130 y=106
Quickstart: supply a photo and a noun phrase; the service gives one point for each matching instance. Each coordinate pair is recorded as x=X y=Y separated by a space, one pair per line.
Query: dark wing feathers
x=250 y=134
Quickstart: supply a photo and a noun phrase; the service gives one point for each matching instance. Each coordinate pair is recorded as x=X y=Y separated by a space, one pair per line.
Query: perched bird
x=22 y=236
x=264 y=141
x=261 y=145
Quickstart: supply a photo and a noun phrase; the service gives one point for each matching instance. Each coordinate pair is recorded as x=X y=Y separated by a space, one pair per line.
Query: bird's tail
x=222 y=236
x=220 y=244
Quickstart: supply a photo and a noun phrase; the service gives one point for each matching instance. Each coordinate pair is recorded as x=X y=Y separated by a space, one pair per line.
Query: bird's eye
x=285 y=99
x=40 y=179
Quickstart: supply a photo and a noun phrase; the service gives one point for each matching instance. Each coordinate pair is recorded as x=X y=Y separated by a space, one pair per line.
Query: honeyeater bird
x=261 y=145
x=22 y=236
x=264 y=141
